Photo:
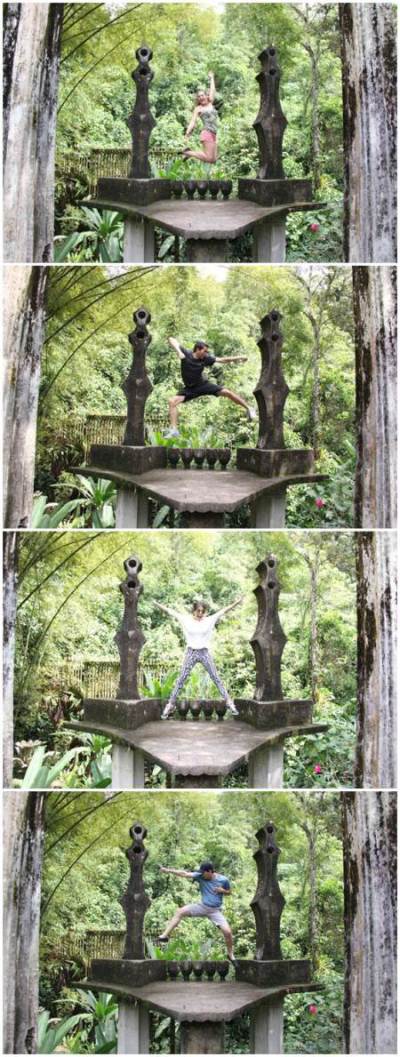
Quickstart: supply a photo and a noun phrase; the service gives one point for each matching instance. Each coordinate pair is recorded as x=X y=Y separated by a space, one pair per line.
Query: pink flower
x=313 y=1009
x=319 y=503
x=317 y=768
x=314 y=226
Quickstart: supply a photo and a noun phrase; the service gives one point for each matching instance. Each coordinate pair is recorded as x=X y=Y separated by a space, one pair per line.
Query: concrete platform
x=196 y=219
x=198 y=1001
x=201 y=491
x=219 y=747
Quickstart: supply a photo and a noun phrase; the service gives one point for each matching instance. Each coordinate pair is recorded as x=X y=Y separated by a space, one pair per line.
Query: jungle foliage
x=87 y=356
x=69 y=607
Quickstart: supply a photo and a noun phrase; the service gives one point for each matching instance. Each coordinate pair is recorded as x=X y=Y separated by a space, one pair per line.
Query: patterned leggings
x=191 y=658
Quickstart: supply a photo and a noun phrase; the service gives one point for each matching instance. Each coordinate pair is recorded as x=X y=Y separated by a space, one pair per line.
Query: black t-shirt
x=192 y=369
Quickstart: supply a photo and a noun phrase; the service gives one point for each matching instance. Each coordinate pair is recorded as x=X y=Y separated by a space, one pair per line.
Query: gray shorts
x=199 y=910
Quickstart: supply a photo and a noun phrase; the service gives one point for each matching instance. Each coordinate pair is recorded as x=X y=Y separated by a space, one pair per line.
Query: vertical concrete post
x=267 y=1027
x=127 y=768
x=138 y=241
x=270 y=509
x=133 y=1028
x=266 y=767
x=269 y=241
x=132 y=510
x=202 y=1037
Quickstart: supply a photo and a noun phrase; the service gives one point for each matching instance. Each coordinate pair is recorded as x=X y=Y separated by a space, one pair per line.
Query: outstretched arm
x=192 y=122
x=221 y=612
x=176 y=347
x=211 y=87
x=166 y=609
x=178 y=873
x=232 y=359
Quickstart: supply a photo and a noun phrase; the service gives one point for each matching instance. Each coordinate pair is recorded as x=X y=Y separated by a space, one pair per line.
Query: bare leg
x=227 y=934
x=173 y=409
x=208 y=154
x=234 y=397
x=172 y=924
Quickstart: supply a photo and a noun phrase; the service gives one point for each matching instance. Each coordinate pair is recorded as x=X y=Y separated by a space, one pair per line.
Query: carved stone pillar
x=135 y=900
x=268 y=901
x=141 y=121
x=137 y=385
x=271 y=390
x=129 y=637
x=269 y=639
x=270 y=122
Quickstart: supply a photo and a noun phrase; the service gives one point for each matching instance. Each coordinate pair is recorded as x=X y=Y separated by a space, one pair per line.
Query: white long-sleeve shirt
x=198 y=633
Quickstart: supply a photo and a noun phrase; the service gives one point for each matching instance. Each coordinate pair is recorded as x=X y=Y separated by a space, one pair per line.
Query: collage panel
x=105 y=891
x=200 y=514
x=201 y=659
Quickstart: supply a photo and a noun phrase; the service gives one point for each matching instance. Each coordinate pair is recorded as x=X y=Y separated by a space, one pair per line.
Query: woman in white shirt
x=198 y=629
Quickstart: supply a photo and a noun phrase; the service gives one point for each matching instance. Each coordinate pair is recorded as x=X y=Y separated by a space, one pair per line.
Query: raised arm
x=211 y=87
x=232 y=605
x=192 y=122
x=178 y=873
x=166 y=609
x=176 y=347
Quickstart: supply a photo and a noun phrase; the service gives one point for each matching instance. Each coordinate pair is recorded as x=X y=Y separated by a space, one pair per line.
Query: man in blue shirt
x=195 y=384
x=213 y=887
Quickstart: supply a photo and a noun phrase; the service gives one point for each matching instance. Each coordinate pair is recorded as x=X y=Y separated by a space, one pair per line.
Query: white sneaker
x=168 y=710
x=251 y=414
x=169 y=433
x=232 y=707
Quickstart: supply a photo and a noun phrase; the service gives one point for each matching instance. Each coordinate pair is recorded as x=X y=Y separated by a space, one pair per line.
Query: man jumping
x=213 y=887
x=194 y=383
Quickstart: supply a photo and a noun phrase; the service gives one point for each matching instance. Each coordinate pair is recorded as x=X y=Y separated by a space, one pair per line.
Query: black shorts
x=191 y=392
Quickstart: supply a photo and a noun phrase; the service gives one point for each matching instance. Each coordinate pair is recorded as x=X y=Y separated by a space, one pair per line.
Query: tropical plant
x=52 y=1033
x=102 y=240
x=95 y=506
x=41 y=775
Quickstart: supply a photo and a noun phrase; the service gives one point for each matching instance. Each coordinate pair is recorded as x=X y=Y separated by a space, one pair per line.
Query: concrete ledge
x=270 y=715
x=274 y=972
x=275 y=462
x=127 y=458
x=130 y=189
x=126 y=971
x=275 y=192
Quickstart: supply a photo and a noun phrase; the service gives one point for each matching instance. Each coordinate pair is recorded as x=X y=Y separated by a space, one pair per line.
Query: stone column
x=132 y=510
x=268 y=901
x=266 y=767
x=127 y=767
x=202 y=1036
x=139 y=247
x=269 y=640
x=133 y=1027
x=135 y=900
x=141 y=121
x=137 y=385
x=129 y=637
x=206 y=251
x=266 y=1032
x=269 y=241
x=269 y=509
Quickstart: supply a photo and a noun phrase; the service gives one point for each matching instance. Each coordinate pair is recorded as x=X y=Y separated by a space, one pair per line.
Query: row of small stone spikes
x=196 y=707
x=199 y=455
x=203 y=187
x=197 y=969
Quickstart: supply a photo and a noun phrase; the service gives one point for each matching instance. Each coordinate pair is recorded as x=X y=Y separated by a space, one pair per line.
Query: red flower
x=313 y=1009
x=319 y=503
x=317 y=768
x=314 y=226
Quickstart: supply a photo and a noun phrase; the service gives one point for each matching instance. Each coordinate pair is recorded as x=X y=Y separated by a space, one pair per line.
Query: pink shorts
x=207 y=137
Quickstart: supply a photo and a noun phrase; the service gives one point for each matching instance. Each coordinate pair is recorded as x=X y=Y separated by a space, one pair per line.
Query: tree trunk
x=374 y=301
x=376 y=755
x=23 y=848
x=368 y=34
x=24 y=314
x=31 y=71
x=369 y=848
x=10 y=564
